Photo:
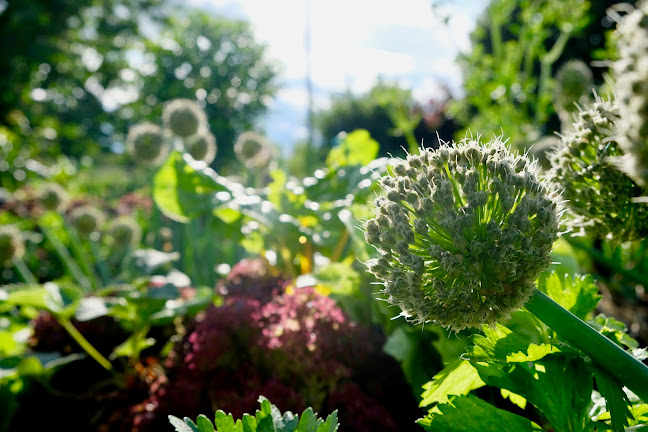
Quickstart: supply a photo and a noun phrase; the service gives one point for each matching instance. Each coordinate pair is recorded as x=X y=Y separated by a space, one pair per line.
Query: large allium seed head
x=11 y=244
x=253 y=150
x=599 y=196
x=87 y=219
x=573 y=83
x=480 y=229
x=52 y=196
x=202 y=146
x=125 y=231
x=147 y=143
x=631 y=90
x=184 y=117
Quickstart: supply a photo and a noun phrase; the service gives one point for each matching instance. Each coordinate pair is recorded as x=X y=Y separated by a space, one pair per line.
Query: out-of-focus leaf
x=357 y=148
x=146 y=261
x=90 y=308
x=613 y=329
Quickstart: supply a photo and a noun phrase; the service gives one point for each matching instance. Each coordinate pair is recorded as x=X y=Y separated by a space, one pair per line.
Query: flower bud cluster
x=631 y=90
x=11 y=244
x=253 y=150
x=87 y=219
x=52 y=196
x=147 y=143
x=597 y=193
x=184 y=117
x=463 y=232
x=125 y=231
x=202 y=146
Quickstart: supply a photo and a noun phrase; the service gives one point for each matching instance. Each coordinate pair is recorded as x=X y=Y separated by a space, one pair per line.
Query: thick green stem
x=83 y=343
x=24 y=271
x=606 y=354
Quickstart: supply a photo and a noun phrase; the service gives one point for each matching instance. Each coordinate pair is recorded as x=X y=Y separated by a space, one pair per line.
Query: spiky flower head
x=184 y=117
x=125 y=231
x=598 y=195
x=147 y=143
x=253 y=150
x=11 y=244
x=631 y=90
x=463 y=232
x=573 y=83
x=52 y=196
x=202 y=146
x=87 y=219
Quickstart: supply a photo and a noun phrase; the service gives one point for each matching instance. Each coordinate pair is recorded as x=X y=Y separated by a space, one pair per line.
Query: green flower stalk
x=463 y=233
x=52 y=196
x=597 y=193
x=253 y=150
x=184 y=117
x=573 y=85
x=125 y=231
x=147 y=143
x=11 y=244
x=87 y=219
x=202 y=146
x=631 y=90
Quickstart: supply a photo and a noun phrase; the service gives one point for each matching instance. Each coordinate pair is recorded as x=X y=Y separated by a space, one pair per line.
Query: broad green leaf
x=458 y=378
x=614 y=330
x=90 y=308
x=470 y=414
x=515 y=399
x=224 y=422
x=182 y=191
x=23 y=296
x=616 y=401
x=501 y=344
x=249 y=423
x=331 y=424
x=357 y=148
x=204 y=424
x=308 y=422
x=132 y=346
x=62 y=299
x=577 y=294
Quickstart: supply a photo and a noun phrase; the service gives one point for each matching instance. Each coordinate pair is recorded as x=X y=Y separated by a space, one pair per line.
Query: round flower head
x=125 y=231
x=631 y=90
x=87 y=219
x=597 y=193
x=463 y=232
x=253 y=150
x=573 y=83
x=147 y=143
x=11 y=244
x=52 y=196
x=184 y=117
x=202 y=146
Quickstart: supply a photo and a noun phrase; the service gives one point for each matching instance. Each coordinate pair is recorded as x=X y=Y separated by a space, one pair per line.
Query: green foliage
x=267 y=419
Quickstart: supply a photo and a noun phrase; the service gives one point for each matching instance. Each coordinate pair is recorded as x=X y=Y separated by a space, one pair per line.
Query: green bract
x=253 y=150
x=631 y=90
x=147 y=143
x=11 y=244
x=87 y=219
x=125 y=231
x=202 y=146
x=52 y=196
x=597 y=193
x=463 y=232
x=184 y=117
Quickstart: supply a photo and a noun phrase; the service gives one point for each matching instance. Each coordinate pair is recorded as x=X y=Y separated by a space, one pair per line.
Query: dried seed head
x=184 y=117
x=147 y=143
x=202 y=146
x=125 y=231
x=87 y=219
x=52 y=196
x=468 y=252
x=253 y=150
x=11 y=244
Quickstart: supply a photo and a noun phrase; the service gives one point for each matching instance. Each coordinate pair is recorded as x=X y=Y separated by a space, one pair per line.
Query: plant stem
x=24 y=271
x=83 y=343
x=67 y=259
x=606 y=354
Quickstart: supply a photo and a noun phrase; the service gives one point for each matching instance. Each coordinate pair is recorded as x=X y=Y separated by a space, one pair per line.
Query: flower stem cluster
x=463 y=231
x=147 y=143
x=11 y=244
x=597 y=193
x=631 y=90
x=184 y=117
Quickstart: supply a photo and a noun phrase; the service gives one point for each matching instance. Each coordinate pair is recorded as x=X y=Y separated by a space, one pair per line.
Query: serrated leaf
x=614 y=330
x=578 y=294
x=456 y=379
x=191 y=424
x=502 y=345
x=308 y=421
x=249 y=423
x=469 y=414
x=224 y=422
x=616 y=401
x=331 y=424
x=204 y=424
x=179 y=425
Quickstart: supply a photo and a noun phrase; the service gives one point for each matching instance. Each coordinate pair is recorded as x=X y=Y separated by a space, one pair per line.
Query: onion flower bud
x=463 y=232
x=598 y=195
x=184 y=117
x=147 y=143
x=202 y=146
x=52 y=196
x=87 y=219
x=253 y=150
x=125 y=231
x=11 y=244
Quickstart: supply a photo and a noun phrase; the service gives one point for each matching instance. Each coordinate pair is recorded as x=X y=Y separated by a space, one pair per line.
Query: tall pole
x=309 y=89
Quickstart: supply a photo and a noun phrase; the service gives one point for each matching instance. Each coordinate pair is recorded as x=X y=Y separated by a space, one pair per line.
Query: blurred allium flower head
x=463 y=232
x=573 y=83
x=11 y=244
x=543 y=148
x=253 y=150
x=202 y=146
x=125 y=231
x=631 y=90
x=52 y=196
x=87 y=219
x=184 y=117
x=598 y=195
x=147 y=143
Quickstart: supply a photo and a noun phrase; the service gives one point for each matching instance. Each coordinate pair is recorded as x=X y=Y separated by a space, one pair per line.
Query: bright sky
x=353 y=42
